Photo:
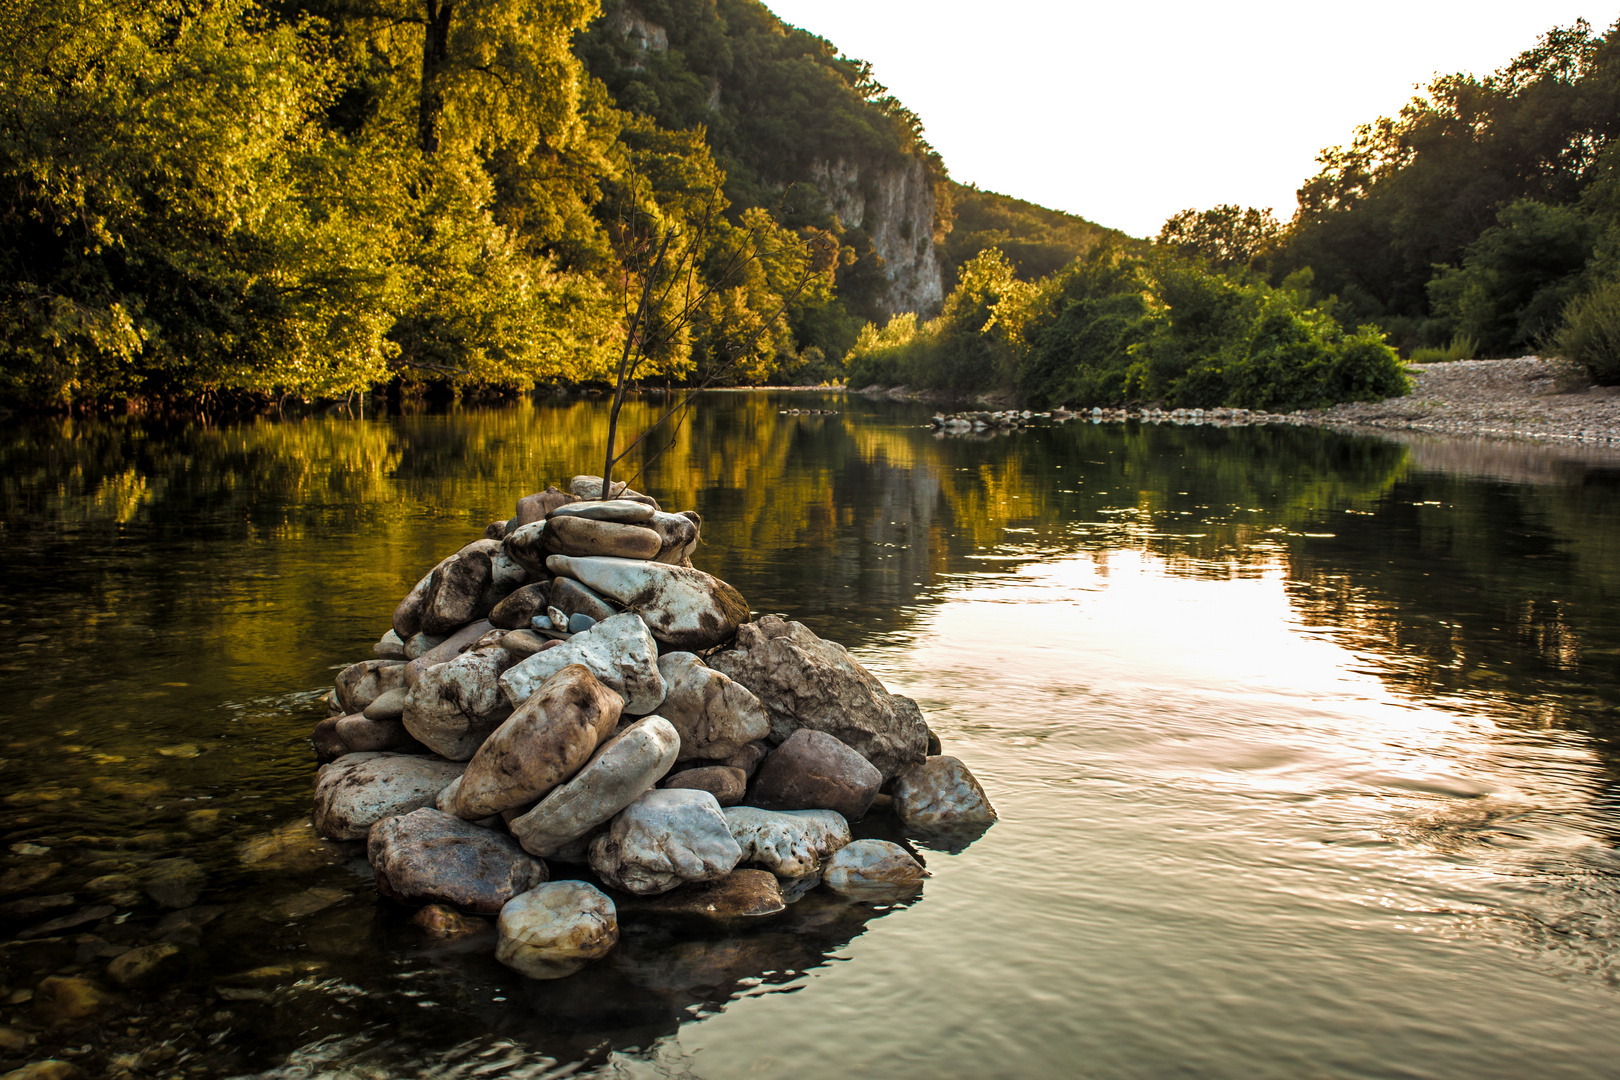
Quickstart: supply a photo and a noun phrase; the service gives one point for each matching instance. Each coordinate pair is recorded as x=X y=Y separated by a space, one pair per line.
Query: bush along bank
x=569 y=691
x=1120 y=328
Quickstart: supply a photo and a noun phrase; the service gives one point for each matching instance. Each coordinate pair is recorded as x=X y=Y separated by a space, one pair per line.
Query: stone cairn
x=570 y=690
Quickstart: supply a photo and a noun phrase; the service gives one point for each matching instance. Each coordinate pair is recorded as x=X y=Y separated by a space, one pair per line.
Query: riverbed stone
x=741 y=894
x=519 y=609
x=625 y=766
x=389 y=705
x=814 y=771
x=356 y=791
x=620 y=651
x=446 y=923
x=361 y=733
x=455 y=705
x=555 y=929
x=715 y=715
x=538 y=507
x=427 y=856
x=684 y=608
x=148 y=965
x=522 y=644
x=328 y=745
x=749 y=758
x=875 y=871
x=590 y=487
x=495 y=530
x=46 y=1069
x=726 y=784
x=358 y=685
x=421 y=644
x=543 y=743
x=575 y=535
x=458 y=592
x=174 y=883
x=665 y=838
x=788 y=843
x=527 y=545
x=69 y=999
x=571 y=598
x=390 y=647
x=445 y=650
x=677 y=536
x=941 y=793
x=622 y=511
x=407 y=622
x=807 y=682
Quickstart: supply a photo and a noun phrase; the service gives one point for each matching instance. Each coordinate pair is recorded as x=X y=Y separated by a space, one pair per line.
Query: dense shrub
x=1590 y=335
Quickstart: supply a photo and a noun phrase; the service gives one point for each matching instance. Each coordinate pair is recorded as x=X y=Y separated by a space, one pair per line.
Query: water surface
x=1303 y=744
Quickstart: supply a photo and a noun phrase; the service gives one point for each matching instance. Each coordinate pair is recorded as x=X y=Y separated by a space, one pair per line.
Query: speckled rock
x=875 y=871
x=407 y=621
x=716 y=716
x=665 y=838
x=940 y=793
x=814 y=771
x=148 y=965
x=431 y=857
x=527 y=546
x=543 y=743
x=457 y=593
x=576 y=535
x=421 y=644
x=590 y=487
x=790 y=843
x=356 y=791
x=358 y=685
x=620 y=651
x=538 y=507
x=455 y=705
x=519 y=609
x=726 y=784
x=445 y=650
x=805 y=682
x=621 y=511
x=625 y=766
x=677 y=536
x=685 y=608
x=556 y=929
x=571 y=598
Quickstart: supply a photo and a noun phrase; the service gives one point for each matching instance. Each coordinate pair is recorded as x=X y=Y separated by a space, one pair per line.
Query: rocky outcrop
x=895 y=205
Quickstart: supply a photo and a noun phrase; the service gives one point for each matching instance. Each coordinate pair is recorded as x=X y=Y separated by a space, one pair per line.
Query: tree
x=1228 y=237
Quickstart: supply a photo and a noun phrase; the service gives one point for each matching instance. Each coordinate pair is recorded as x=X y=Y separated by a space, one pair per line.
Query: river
x=1304 y=746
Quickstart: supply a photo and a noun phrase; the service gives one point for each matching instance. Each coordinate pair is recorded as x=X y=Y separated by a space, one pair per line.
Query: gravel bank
x=1527 y=398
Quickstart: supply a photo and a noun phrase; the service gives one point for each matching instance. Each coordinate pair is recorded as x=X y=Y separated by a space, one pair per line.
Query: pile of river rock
x=570 y=692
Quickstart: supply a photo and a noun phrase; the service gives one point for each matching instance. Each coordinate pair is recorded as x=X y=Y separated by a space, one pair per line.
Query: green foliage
x=1461 y=347
x=1590 y=335
x=1035 y=240
x=1227 y=237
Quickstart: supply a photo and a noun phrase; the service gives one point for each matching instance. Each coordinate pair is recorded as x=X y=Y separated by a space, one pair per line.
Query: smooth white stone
x=622 y=511
x=624 y=767
x=620 y=651
x=664 y=838
x=788 y=843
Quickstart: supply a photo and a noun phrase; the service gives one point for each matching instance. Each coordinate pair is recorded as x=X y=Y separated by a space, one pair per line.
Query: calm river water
x=1305 y=748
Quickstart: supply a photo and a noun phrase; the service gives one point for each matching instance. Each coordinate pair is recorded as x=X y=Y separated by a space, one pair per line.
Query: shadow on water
x=179 y=595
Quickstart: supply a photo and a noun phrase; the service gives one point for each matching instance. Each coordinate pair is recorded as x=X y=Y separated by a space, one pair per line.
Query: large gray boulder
x=715 y=715
x=620 y=651
x=358 y=790
x=555 y=929
x=455 y=705
x=542 y=744
x=625 y=767
x=665 y=838
x=804 y=681
x=429 y=857
x=685 y=608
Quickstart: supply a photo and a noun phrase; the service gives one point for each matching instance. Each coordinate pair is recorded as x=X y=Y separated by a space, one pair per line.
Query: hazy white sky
x=1125 y=113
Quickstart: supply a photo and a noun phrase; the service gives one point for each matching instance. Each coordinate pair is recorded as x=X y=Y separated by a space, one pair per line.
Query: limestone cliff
x=894 y=205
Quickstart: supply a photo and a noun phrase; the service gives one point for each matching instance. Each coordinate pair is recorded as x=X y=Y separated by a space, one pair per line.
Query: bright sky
x=1125 y=113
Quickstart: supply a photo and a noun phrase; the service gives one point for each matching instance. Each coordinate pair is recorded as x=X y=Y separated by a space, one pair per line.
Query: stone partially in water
x=556 y=929
x=428 y=856
x=455 y=705
x=327 y=743
x=543 y=743
x=620 y=651
x=627 y=765
x=685 y=608
x=445 y=923
x=360 y=734
x=726 y=784
x=457 y=594
x=358 y=685
x=575 y=535
x=806 y=682
x=788 y=843
x=814 y=771
x=148 y=965
x=356 y=791
x=665 y=838
x=940 y=793
x=174 y=883
x=874 y=871
x=518 y=610
x=622 y=511
x=716 y=716
x=741 y=894
x=408 y=615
